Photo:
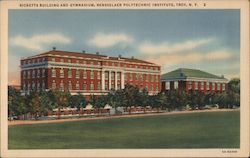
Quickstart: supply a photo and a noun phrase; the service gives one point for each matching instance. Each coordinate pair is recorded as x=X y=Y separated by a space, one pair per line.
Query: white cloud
x=191 y=57
x=103 y=40
x=38 y=41
x=166 y=47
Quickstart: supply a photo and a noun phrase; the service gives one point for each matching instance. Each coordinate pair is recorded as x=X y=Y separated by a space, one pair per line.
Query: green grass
x=193 y=130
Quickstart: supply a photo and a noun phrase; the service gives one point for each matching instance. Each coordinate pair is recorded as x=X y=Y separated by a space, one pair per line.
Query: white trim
x=89 y=67
x=103 y=58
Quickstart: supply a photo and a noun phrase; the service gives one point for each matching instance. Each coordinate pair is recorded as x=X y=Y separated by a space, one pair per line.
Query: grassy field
x=193 y=130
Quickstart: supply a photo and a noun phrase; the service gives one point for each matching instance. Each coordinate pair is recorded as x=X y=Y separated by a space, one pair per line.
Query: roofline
x=195 y=78
x=121 y=59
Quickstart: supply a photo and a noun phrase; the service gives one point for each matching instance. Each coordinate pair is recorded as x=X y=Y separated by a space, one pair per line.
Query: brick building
x=191 y=79
x=86 y=73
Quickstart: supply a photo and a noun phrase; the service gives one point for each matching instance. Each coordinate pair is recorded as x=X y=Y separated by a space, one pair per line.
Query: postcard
x=125 y=78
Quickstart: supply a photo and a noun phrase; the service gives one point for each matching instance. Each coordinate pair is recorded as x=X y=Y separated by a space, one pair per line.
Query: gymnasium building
x=192 y=79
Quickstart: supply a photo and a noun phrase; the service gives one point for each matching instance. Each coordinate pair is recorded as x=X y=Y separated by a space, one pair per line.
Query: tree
x=46 y=102
x=144 y=98
x=61 y=100
x=16 y=104
x=35 y=105
x=234 y=85
x=130 y=94
x=77 y=101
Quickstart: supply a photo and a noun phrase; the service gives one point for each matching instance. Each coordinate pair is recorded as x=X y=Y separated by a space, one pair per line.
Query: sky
x=208 y=40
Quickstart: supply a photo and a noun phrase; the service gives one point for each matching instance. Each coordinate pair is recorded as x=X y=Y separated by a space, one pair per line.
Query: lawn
x=193 y=130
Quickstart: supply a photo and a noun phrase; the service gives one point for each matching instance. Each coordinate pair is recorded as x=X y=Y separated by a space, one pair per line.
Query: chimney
x=97 y=53
x=132 y=57
x=83 y=51
x=120 y=56
x=54 y=48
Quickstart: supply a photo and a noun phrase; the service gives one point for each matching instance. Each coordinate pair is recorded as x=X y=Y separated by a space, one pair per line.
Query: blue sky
x=203 y=39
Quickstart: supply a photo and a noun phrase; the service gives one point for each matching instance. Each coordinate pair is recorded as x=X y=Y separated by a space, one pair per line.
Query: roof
x=90 y=55
x=184 y=73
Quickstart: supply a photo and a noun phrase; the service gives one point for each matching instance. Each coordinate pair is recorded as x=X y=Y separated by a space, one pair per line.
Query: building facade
x=191 y=79
x=87 y=73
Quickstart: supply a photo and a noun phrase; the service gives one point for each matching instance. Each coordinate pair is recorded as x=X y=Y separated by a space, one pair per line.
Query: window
x=91 y=86
x=28 y=74
x=152 y=78
x=167 y=85
x=99 y=74
x=207 y=86
x=77 y=73
x=196 y=85
x=106 y=75
x=136 y=77
x=92 y=74
x=112 y=75
x=24 y=86
x=77 y=61
x=53 y=72
x=62 y=86
x=23 y=74
x=112 y=85
x=28 y=86
x=213 y=86
x=69 y=73
x=69 y=60
x=156 y=88
x=176 y=84
x=149 y=77
x=43 y=85
x=53 y=59
x=33 y=73
x=131 y=77
x=118 y=76
x=189 y=84
x=43 y=73
x=202 y=85
x=61 y=60
x=38 y=73
x=53 y=84
x=69 y=85
x=84 y=86
x=223 y=86
x=77 y=85
x=119 y=86
x=33 y=85
x=84 y=74
x=61 y=73
x=126 y=76
x=218 y=86
x=99 y=86
x=146 y=77
x=106 y=86
x=38 y=85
